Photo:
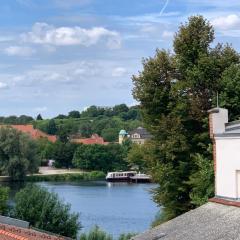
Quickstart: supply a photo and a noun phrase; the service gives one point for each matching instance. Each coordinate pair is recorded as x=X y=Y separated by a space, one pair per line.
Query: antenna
x=217 y=101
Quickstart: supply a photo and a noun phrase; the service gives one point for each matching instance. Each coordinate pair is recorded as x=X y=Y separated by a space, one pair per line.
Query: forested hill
x=105 y=121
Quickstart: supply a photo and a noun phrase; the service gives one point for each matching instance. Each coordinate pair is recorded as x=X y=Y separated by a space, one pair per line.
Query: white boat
x=141 y=177
x=120 y=176
x=129 y=176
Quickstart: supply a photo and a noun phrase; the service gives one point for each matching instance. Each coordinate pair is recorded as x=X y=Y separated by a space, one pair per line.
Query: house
x=34 y=133
x=94 y=139
x=138 y=135
x=220 y=217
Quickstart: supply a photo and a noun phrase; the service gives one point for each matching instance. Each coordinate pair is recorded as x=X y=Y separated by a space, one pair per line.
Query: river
x=115 y=207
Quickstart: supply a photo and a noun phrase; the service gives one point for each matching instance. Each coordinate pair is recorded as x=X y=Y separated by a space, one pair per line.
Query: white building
x=226 y=153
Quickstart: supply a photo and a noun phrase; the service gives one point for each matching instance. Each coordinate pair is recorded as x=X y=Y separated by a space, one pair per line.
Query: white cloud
x=19 y=51
x=118 y=72
x=43 y=33
x=167 y=34
x=231 y=21
x=3 y=85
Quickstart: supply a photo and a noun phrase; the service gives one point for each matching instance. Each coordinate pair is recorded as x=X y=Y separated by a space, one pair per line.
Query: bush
x=44 y=210
x=95 y=234
x=4 y=191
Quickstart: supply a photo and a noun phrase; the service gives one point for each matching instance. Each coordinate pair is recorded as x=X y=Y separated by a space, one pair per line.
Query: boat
x=141 y=178
x=128 y=176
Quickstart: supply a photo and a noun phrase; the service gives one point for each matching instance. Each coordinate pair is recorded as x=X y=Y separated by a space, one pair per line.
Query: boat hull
x=133 y=180
x=118 y=180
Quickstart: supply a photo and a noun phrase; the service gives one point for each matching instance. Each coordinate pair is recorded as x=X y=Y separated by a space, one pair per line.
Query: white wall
x=227 y=163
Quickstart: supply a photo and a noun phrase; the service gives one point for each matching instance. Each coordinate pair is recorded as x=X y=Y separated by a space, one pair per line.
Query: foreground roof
x=9 y=232
x=211 y=221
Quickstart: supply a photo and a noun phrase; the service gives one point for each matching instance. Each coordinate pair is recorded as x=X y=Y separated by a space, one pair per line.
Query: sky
x=63 y=55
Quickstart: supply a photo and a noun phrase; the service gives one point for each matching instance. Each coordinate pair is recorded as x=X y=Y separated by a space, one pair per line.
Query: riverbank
x=68 y=177
x=52 y=174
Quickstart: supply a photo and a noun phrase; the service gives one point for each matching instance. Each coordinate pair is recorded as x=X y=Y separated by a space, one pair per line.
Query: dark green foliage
x=110 y=134
x=51 y=127
x=74 y=114
x=95 y=234
x=44 y=210
x=23 y=119
x=4 y=192
x=202 y=181
x=63 y=153
x=136 y=155
x=39 y=117
x=175 y=91
x=18 y=154
x=100 y=157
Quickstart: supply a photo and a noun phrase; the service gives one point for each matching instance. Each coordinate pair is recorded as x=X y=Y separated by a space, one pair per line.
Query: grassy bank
x=86 y=176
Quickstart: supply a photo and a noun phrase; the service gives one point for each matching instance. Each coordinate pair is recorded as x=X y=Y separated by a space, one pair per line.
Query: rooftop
x=9 y=232
x=142 y=132
x=211 y=221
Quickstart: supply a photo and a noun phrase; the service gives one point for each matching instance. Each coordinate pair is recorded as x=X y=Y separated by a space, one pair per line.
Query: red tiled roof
x=8 y=232
x=94 y=139
x=34 y=133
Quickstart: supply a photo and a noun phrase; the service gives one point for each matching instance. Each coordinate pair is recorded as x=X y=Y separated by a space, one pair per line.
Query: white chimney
x=218 y=117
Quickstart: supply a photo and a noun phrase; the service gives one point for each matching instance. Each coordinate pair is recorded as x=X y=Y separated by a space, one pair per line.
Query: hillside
x=105 y=121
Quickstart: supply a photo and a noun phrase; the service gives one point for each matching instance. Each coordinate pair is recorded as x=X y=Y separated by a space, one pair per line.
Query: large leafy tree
x=18 y=154
x=44 y=210
x=175 y=90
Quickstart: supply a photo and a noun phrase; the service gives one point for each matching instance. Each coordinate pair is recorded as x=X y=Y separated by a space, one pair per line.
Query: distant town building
x=32 y=132
x=122 y=136
x=138 y=135
x=94 y=139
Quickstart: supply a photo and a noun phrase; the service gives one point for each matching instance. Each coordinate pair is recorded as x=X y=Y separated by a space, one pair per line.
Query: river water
x=115 y=207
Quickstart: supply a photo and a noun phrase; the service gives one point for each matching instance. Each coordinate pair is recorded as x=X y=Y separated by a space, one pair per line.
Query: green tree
x=51 y=127
x=95 y=234
x=110 y=134
x=39 y=117
x=63 y=154
x=99 y=157
x=121 y=108
x=18 y=154
x=135 y=157
x=4 y=193
x=44 y=210
x=74 y=114
x=175 y=90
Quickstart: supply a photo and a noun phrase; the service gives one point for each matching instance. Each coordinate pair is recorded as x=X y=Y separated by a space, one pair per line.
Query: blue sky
x=60 y=55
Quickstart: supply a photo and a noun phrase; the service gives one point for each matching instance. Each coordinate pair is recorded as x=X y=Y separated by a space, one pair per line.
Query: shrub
x=95 y=234
x=44 y=210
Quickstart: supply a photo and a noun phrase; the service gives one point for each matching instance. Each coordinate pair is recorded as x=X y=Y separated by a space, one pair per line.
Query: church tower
x=122 y=136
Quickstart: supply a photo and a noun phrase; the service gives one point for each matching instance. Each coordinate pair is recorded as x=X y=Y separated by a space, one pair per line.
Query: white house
x=226 y=154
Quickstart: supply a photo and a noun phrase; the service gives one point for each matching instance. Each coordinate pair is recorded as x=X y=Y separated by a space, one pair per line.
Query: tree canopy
x=18 y=154
x=175 y=91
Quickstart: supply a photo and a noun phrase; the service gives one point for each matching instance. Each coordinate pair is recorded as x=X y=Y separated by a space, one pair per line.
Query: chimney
x=217 y=119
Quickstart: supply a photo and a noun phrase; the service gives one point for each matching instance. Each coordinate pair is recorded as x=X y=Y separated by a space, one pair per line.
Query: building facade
x=139 y=135
x=226 y=154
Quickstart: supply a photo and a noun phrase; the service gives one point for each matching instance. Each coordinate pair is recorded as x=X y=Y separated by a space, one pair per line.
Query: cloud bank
x=43 y=33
